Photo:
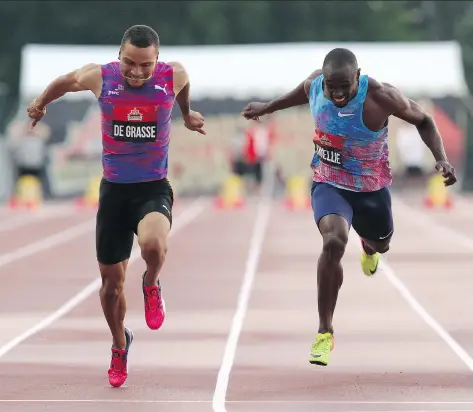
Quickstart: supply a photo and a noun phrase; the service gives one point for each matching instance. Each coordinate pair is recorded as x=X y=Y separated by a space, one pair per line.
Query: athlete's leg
x=334 y=230
x=114 y=241
x=154 y=217
x=370 y=247
x=333 y=215
x=373 y=221
x=153 y=231
x=113 y=301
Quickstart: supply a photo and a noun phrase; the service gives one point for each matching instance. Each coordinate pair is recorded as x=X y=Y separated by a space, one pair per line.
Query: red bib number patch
x=329 y=148
x=135 y=124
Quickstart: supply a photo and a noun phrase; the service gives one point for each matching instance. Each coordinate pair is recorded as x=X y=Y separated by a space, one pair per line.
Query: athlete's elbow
x=425 y=122
x=56 y=89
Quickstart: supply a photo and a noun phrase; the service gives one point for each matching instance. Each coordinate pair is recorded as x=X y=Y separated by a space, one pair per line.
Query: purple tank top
x=136 y=124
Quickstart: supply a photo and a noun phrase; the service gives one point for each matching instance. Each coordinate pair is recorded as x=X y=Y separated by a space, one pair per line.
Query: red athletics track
x=404 y=338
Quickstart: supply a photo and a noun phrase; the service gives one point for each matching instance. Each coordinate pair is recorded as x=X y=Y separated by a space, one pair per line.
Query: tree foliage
x=225 y=22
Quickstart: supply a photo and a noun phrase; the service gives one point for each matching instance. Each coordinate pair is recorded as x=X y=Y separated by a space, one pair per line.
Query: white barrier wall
x=430 y=69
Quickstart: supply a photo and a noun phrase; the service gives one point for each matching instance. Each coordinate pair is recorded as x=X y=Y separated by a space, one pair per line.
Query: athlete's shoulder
x=180 y=76
x=114 y=63
x=162 y=67
x=387 y=96
x=381 y=91
x=89 y=77
x=110 y=68
x=109 y=71
x=106 y=75
x=175 y=65
x=311 y=79
x=374 y=86
x=88 y=69
x=178 y=68
x=90 y=66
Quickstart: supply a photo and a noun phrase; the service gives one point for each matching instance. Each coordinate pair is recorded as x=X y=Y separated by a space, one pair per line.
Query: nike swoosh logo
x=374 y=270
x=384 y=237
x=345 y=114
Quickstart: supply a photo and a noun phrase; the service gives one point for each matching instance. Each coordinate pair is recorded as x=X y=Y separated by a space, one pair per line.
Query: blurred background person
x=28 y=149
x=251 y=152
x=411 y=150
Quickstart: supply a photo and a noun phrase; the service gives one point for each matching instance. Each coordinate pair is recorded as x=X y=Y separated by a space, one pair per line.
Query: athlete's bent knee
x=153 y=250
x=382 y=247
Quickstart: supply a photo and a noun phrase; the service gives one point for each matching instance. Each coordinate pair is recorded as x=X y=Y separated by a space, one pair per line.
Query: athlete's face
x=137 y=63
x=341 y=84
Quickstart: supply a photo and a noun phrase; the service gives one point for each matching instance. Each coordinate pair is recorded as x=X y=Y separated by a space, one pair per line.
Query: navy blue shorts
x=369 y=213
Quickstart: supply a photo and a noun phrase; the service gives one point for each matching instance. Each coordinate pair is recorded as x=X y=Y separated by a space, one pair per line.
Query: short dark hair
x=141 y=36
x=340 y=57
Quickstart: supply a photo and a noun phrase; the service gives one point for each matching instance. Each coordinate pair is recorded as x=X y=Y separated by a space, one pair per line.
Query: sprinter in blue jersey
x=351 y=172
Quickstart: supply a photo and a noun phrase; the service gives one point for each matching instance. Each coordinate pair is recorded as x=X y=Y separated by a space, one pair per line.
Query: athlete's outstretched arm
x=400 y=106
x=192 y=120
x=88 y=77
x=296 y=97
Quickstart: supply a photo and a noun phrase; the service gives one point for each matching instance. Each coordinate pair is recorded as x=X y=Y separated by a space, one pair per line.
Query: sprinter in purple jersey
x=136 y=95
x=351 y=172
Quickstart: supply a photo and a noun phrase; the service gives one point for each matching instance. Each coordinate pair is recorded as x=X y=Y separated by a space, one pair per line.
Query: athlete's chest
x=358 y=119
x=137 y=116
x=158 y=92
x=374 y=117
x=345 y=121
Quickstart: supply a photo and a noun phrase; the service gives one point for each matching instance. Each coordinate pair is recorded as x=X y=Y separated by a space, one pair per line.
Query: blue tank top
x=347 y=154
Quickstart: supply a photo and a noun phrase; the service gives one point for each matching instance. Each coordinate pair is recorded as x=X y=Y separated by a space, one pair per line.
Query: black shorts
x=369 y=213
x=121 y=208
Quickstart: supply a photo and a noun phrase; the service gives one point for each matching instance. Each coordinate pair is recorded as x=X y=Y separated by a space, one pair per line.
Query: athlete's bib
x=135 y=124
x=329 y=148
